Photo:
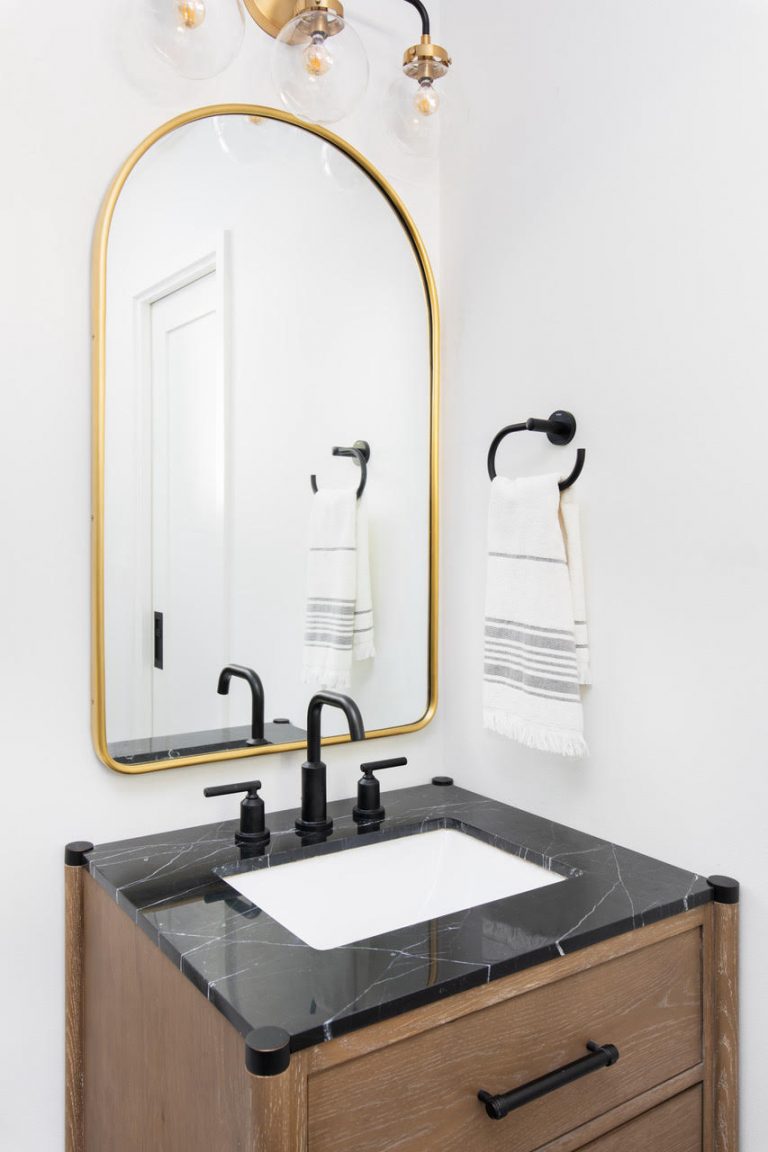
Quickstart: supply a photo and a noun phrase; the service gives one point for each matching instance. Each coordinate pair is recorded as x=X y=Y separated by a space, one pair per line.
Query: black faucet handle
x=250 y=786
x=377 y=765
x=253 y=830
x=368 y=807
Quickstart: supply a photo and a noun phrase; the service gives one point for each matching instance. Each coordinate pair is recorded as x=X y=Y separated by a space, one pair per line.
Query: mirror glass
x=263 y=301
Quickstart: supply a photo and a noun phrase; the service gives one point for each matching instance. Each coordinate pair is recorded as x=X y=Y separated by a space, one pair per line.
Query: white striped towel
x=339 y=615
x=531 y=670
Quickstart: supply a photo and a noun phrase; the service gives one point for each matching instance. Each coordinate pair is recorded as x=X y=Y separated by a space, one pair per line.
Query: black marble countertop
x=258 y=973
x=151 y=748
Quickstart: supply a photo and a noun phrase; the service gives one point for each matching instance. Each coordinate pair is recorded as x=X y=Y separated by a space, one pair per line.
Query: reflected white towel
x=531 y=672
x=339 y=615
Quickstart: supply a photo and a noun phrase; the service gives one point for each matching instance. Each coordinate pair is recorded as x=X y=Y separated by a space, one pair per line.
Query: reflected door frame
x=217 y=260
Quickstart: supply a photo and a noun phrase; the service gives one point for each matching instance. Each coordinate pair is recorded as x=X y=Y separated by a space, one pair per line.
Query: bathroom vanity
x=197 y=1020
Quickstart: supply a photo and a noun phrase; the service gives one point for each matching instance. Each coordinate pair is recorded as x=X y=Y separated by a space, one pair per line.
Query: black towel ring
x=560 y=429
x=361 y=452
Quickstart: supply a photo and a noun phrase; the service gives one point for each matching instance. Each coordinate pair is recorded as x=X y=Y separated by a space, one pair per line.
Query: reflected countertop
x=258 y=973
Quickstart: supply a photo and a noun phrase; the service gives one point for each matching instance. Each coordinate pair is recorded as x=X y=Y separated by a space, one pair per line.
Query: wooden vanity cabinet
x=154 y=1067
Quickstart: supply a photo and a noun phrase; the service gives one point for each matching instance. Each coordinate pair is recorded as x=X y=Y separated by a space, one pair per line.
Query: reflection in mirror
x=268 y=317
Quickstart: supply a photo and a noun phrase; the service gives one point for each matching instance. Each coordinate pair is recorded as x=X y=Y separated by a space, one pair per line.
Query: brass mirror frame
x=98 y=337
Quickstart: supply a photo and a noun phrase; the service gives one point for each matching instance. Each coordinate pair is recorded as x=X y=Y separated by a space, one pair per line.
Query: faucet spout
x=314 y=813
x=257 y=696
x=336 y=700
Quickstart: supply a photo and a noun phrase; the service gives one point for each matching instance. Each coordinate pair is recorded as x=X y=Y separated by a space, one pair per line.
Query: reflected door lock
x=252 y=831
x=368 y=805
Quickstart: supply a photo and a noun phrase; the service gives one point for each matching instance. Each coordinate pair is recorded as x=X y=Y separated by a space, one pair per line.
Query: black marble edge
x=451 y=986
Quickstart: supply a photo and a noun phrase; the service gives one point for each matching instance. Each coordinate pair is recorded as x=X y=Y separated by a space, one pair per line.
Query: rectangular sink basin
x=332 y=900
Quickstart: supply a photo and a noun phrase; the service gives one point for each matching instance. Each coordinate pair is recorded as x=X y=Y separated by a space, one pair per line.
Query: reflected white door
x=189 y=509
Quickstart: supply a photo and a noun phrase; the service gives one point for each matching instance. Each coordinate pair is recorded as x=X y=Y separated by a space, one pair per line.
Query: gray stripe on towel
x=513 y=676
x=337 y=647
x=512 y=648
x=327 y=610
x=524 y=556
x=530 y=692
x=528 y=627
x=329 y=600
x=514 y=658
x=322 y=638
x=332 y=618
x=562 y=645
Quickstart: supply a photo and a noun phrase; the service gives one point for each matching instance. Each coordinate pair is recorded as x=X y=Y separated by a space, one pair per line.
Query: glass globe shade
x=319 y=67
x=198 y=38
x=416 y=115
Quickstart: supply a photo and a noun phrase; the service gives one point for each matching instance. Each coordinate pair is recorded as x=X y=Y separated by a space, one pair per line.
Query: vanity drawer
x=675 y=1126
x=420 y=1094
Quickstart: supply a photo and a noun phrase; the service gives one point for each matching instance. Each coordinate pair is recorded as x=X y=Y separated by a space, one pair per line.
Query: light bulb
x=317 y=58
x=426 y=101
x=191 y=12
x=415 y=111
x=197 y=38
x=319 y=66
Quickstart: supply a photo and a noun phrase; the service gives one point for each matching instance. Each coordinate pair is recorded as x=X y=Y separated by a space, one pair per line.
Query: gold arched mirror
x=261 y=297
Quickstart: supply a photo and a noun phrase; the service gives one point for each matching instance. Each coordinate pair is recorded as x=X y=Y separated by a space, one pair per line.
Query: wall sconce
x=319 y=63
x=414 y=101
x=198 y=38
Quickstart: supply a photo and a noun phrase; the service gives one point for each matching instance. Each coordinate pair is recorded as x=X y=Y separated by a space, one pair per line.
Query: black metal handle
x=560 y=428
x=253 y=831
x=377 y=765
x=368 y=808
x=361 y=452
x=600 y=1056
x=249 y=786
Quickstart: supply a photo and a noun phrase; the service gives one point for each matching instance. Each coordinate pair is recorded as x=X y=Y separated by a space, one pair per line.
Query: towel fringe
x=535 y=735
x=323 y=678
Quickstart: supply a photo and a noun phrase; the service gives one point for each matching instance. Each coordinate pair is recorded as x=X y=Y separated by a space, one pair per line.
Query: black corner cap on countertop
x=725 y=890
x=267 y=1051
x=442 y=781
x=75 y=853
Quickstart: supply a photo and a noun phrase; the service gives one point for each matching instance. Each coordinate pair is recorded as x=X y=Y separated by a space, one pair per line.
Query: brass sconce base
x=272 y=15
x=426 y=61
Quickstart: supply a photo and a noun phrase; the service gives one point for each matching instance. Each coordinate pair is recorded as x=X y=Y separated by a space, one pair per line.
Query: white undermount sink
x=332 y=900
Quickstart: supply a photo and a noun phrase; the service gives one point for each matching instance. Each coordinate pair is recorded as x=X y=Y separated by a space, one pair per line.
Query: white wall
x=603 y=249
x=605 y=246
x=70 y=117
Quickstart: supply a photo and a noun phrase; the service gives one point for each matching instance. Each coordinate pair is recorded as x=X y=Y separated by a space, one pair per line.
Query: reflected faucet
x=257 y=697
x=314 y=814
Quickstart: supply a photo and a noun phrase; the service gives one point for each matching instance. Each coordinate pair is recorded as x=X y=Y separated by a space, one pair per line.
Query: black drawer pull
x=600 y=1056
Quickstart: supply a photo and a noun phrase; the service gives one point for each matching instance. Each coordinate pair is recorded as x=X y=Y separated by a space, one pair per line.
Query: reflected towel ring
x=361 y=452
x=560 y=429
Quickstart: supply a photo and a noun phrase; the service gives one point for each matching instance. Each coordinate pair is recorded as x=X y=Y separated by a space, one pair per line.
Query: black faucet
x=257 y=697
x=314 y=815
